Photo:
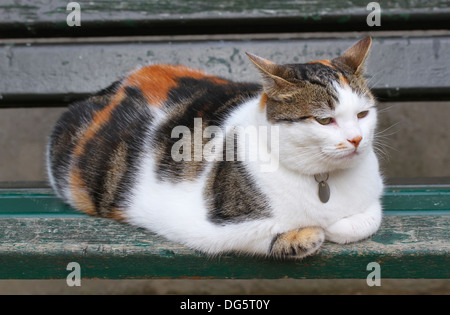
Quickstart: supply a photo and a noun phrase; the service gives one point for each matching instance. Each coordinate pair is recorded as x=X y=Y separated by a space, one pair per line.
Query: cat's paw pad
x=297 y=243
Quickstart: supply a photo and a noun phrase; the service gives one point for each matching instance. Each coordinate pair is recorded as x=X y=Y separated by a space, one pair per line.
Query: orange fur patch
x=343 y=80
x=79 y=195
x=263 y=102
x=302 y=236
x=156 y=81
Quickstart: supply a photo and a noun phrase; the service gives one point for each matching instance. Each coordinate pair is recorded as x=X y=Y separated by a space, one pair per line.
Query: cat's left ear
x=274 y=76
x=355 y=56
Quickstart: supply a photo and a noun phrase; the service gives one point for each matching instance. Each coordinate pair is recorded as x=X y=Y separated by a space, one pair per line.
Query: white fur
x=179 y=212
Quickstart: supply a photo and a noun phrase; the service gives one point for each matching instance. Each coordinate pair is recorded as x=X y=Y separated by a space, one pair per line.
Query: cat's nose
x=355 y=141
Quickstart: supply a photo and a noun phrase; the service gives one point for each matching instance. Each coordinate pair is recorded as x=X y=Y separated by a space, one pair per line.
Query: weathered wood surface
x=39 y=236
x=41 y=248
x=99 y=18
x=411 y=68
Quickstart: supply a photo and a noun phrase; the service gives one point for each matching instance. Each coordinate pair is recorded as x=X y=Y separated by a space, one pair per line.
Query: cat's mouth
x=351 y=154
x=341 y=155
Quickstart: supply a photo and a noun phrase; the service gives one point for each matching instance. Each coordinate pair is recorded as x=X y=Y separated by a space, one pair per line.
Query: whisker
x=375 y=76
x=383 y=133
x=382 y=110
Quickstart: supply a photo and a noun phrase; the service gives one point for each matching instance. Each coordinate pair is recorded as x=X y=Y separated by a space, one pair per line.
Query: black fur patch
x=66 y=132
x=195 y=98
x=315 y=73
x=108 y=178
x=109 y=160
x=233 y=196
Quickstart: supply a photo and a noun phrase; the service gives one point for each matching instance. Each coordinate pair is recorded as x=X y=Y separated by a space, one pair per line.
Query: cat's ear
x=355 y=56
x=272 y=74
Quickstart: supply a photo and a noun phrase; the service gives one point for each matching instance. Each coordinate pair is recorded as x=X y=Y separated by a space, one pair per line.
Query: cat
x=116 y=155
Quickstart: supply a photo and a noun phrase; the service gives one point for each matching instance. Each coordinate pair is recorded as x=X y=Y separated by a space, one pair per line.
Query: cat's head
x=324 y=109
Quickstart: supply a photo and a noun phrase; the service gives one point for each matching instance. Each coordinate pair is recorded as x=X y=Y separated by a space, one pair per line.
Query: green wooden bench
x=39 y=236
x=48 y=63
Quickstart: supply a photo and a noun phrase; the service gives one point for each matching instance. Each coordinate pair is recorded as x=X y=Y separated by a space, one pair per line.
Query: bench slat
x=99 y=18
x=396 y=200
x=41 y=248
x=42 y=75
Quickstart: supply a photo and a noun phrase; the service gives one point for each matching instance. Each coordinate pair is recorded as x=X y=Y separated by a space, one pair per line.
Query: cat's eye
x=324 y=121
x=363 y=114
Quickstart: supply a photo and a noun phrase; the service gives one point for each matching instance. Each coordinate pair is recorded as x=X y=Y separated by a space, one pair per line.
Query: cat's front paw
x=342 y=232
x=297 y=243
x=353 y=229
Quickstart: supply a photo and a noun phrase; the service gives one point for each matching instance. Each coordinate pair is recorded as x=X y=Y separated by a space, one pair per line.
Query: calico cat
x=119 y=155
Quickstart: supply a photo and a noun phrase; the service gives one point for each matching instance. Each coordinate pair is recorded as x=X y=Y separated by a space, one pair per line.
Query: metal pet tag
x=324 y=189
x=324 y=192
